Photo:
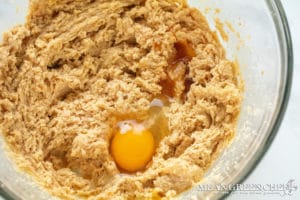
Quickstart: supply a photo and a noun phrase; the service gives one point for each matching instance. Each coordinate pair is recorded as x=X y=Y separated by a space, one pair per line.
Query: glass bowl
x=259 y=41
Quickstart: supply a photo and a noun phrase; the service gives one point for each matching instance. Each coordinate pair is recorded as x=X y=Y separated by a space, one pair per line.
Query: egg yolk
x=132 y=146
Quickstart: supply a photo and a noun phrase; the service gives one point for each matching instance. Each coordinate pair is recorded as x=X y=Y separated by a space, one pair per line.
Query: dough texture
x=76 y=66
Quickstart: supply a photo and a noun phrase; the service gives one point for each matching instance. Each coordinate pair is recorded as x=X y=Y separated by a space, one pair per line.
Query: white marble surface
x=282 y=161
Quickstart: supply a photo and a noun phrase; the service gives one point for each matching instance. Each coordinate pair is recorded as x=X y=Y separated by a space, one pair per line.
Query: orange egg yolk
x=132 y=146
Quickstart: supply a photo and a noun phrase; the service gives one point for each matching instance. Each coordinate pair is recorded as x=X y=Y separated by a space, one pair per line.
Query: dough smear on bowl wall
x=116 y=99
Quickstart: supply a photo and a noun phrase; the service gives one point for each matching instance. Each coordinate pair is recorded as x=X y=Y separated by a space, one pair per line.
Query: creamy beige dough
x=77 y=65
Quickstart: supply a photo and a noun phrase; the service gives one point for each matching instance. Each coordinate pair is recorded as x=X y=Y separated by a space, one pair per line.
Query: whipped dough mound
x=76 y=66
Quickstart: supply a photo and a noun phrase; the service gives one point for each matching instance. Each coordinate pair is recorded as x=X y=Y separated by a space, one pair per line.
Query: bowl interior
x=258 y=44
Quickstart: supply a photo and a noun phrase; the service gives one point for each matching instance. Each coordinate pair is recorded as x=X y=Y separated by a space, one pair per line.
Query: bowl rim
x=284 y=35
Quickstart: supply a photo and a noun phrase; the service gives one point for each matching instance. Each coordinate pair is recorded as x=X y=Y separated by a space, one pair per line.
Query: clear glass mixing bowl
x=260 y=41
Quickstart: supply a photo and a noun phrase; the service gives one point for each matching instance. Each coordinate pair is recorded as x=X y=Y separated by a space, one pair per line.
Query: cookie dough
x=76 y=66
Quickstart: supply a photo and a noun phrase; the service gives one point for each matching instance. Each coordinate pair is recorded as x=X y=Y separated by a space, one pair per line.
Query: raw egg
x=132 y=146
